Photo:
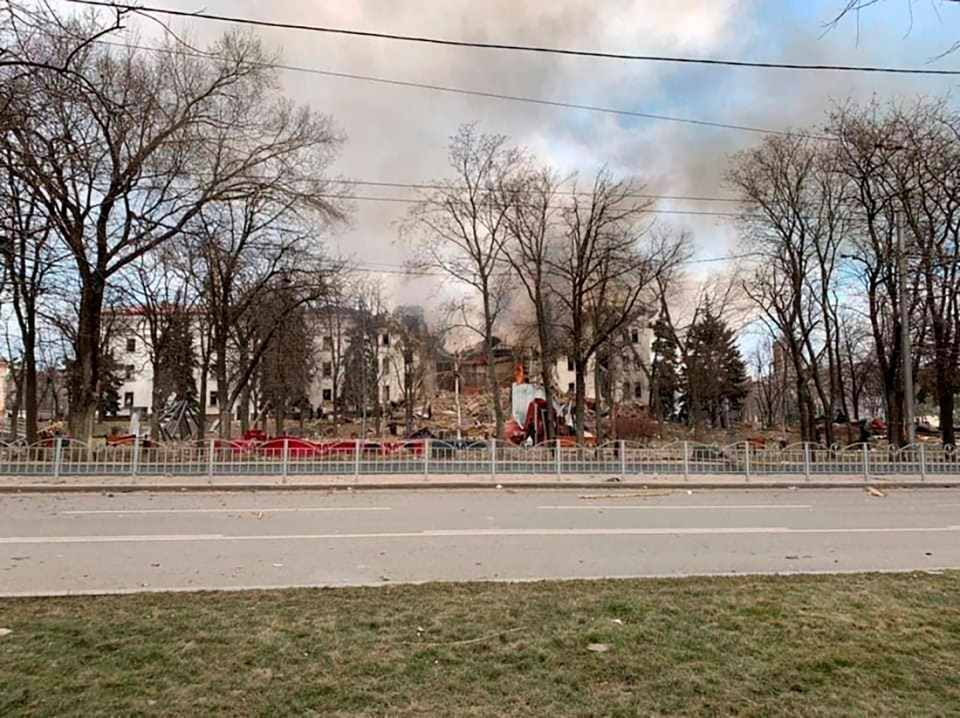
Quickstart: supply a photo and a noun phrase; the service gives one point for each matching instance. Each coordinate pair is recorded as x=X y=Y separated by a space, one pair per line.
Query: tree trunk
x=30 y=384
x=546 y=365
x=493 y=386
x=156 y=406
x=17 y=404
x=409 y=393
x=223 y=398
x=580 y=392
x=598 y=392
x=945 y=401
x=245 y=410
x=85 y=377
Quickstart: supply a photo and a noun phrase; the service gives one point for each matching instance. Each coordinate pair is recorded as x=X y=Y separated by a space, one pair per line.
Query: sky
x=399 y=134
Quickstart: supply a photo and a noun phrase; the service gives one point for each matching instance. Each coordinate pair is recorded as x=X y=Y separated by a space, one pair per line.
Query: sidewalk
x=315 y=482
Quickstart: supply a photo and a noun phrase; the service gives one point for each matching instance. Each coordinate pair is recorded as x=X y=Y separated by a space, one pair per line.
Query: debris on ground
x=635 y=495
x=598 y=648
x=873 y=491
x=5 y=632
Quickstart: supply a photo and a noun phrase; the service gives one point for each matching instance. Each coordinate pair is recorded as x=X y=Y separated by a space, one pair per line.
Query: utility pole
x=905 y=336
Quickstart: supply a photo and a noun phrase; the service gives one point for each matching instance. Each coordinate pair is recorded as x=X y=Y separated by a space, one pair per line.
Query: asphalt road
x=100 y=543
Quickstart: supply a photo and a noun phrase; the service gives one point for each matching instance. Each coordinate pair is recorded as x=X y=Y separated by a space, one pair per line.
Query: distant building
x=333 y=330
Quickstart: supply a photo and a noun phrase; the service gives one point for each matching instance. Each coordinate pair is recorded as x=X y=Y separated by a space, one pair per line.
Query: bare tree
x=249 y=251
x=286 y=370
x=160 y=305
x=856 y=7
x=768 y=388
x=601 y=270
x=796 y=216
x=534 y=224
x=415 y=346
x=870 y=156
x=31 y=260
x=124 y=170
x=461 y=229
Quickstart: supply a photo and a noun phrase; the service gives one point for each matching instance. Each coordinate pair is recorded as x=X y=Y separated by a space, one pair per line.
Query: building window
x=386 y=366
x=327 y=370
x=635 y=336
x=128 y=372
x=626 y=389
x=328 y=343
x=385 y=340
x=571 y=387
x=638 y=392
x=128 y=399
x=131 y=345
x=328 y=394
x=214 y=399
x=570 y=366
x=386 y=393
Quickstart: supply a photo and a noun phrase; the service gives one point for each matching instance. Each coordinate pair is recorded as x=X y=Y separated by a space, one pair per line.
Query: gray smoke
x=400 y=134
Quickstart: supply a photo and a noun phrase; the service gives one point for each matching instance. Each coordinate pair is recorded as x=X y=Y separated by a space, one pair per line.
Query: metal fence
x=438 y=458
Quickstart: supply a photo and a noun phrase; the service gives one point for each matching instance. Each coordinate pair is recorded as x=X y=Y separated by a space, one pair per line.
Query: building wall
x=132 y=353
x=632 y=383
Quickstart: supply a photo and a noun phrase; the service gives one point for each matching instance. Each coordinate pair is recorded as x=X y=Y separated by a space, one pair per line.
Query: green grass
x=845 y=645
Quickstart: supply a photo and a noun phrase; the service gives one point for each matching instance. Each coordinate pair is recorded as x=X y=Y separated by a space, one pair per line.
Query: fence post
x=923 y=462
x=806 y=461
x=746 y=459
x=356 y=458
x=559 y=467
x=426 y=458
x=623 y=457
x=493 y=457
x=286 y=458
x=135 y=458
x=866 y=462
x=211 y=454
x=686 y=461
x=57 y=457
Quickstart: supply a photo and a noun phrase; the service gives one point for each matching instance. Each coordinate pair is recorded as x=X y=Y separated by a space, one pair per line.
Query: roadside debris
x=873 y=491
x=635 y=495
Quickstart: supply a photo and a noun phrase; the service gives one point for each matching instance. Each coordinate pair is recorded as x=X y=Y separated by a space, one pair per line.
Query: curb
x=463 y=486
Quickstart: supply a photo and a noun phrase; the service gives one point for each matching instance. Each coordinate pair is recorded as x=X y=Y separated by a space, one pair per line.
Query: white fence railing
x=437 y=458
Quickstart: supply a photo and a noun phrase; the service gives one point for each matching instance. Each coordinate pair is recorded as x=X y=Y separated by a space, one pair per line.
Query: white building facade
x=331 y=340
x=630 y=366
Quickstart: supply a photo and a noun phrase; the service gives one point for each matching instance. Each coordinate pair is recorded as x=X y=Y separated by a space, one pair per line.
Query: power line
x=520 y=48
x=490 y=95
x=388 y=268
x=636 y=195
x=409 y=200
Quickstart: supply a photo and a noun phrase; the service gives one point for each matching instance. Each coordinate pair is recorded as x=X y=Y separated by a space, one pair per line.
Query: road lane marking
x=468 y=533
x=117 y=512
x=654 y=507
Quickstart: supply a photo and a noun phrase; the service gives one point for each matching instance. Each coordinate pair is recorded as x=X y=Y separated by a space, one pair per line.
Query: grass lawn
x=844 y=645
